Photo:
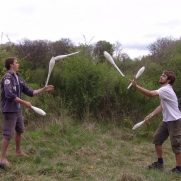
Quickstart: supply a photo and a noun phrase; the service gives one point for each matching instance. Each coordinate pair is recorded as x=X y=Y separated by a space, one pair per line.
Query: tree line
x=87 y=85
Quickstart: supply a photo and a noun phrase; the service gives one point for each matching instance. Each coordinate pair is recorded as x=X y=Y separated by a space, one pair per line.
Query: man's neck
x=12 y=71
x=164 y=84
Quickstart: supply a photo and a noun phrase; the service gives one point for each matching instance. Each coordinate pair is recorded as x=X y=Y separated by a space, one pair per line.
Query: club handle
x=118 y=69
x=47 y=80
x=129 y=85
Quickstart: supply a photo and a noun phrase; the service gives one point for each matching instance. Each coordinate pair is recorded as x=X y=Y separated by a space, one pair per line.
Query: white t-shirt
x=169 y=103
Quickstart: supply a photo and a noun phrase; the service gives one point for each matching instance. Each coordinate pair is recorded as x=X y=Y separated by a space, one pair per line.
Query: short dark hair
x=8 y=61
x=170 y=76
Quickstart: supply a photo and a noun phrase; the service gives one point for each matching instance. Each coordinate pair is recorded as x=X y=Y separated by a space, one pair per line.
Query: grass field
x=70 y=151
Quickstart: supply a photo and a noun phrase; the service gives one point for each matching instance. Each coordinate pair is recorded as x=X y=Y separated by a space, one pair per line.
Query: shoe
x=175 y=170
x=156 y=165
x=2 y=165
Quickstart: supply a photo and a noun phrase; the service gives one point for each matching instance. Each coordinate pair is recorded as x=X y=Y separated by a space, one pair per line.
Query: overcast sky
x=133 y=23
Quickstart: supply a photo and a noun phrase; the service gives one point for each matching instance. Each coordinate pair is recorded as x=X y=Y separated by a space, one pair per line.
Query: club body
x=140 y=71
x=142 y=122
x=64 y=56
x=138 y=125
x=110 y=59
x=38 y=110
x=51 y=65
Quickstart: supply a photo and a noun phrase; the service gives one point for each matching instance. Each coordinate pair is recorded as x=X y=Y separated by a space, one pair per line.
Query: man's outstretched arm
x=143 y=90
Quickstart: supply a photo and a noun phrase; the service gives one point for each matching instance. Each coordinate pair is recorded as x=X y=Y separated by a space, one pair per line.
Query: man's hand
x=134 y=83
x=148 y=117
x=48 y=88
x=27 y=104
x=44 y=89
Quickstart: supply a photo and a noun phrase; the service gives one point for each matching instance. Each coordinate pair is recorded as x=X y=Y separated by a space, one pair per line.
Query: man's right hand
x=134 y=83
x=27 y=104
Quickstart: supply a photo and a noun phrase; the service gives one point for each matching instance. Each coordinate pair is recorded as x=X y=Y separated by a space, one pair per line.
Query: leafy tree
x=162 y=48
x=61 y=47
x=102 y=46
x=87 y=48
x=35 y=51
x=118 y=51
x=6 y=50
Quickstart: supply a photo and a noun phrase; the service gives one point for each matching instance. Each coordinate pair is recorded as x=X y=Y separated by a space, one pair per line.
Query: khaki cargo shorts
x=171 y=129
x=12 y=121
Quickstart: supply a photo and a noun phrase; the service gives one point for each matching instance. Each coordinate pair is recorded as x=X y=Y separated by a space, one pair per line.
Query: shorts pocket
x=176 y=139
x=8 y=116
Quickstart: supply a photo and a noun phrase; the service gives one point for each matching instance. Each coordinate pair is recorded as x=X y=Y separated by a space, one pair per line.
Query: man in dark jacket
x=12 y=85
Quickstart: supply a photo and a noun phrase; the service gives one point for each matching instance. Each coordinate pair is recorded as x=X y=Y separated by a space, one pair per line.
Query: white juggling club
x=142 y=122
x=38 y=110
x=52 y=64
x=63 y=56
x=140 y=71
x=110 y=59
x=138 y=125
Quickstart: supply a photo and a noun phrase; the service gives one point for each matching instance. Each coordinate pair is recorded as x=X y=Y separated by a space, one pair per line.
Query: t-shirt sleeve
x=163 y=93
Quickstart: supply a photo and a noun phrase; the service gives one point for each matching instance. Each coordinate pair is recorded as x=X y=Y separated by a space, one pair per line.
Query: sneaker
x=2 y=165
x=156 y=165
x=175 y=170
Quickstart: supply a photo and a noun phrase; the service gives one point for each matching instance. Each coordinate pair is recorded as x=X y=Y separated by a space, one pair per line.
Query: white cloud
x=131 y=22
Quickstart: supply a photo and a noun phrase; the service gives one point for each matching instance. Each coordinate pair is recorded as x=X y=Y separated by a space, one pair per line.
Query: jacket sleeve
x=24 y=88
x=8 y=88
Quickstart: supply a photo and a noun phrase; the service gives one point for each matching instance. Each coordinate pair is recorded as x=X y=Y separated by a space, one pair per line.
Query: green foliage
x=86 y=88
x=5 y=52
x=79 y=81
x=61 y=47
x=102 y=46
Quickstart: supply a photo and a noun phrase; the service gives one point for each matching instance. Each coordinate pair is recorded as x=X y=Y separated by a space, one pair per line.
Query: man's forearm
x=146 y=91
x=17 y=99
x=157 y=110
x=25 y=103
x=44 y=89
x=143 y=90
x=38 y=91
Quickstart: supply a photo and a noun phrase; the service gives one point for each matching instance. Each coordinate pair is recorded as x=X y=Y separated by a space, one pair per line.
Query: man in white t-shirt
x=171 y=123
